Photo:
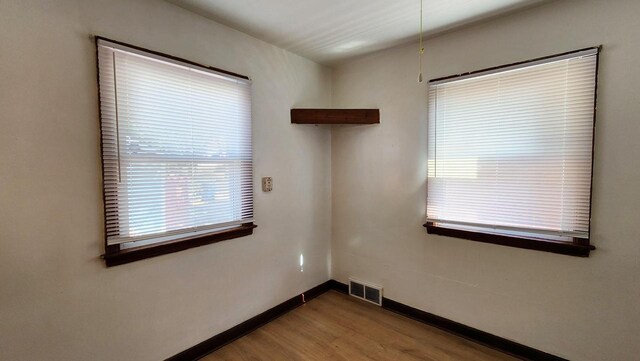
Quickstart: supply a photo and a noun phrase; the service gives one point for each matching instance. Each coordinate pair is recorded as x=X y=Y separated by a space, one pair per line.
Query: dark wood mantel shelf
x=335 y=116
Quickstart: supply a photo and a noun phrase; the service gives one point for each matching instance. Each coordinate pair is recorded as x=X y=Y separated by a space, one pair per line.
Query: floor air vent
x=366 y=291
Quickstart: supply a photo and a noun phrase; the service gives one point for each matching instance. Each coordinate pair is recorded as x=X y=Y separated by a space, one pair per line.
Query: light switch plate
x=267 y=184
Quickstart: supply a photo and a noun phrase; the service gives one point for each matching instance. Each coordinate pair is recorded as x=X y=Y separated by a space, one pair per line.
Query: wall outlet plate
x=267 y=184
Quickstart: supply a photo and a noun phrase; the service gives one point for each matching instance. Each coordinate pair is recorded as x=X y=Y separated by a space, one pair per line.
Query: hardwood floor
x=338 y=327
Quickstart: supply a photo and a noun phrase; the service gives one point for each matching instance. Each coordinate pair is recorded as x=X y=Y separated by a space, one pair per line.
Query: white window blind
x=176 y=145
x=510 y=150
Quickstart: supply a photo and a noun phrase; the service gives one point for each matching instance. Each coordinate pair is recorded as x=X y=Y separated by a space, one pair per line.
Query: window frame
x=116 y=254
x=579 y=247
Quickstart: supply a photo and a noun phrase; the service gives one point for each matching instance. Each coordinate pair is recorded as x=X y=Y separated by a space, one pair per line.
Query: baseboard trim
x=208 y=346
x=473 y=334
x=339 y=286
x=484 y=338
x=496 y=342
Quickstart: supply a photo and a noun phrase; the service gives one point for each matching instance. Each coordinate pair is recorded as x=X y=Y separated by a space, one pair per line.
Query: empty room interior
x=319 y=180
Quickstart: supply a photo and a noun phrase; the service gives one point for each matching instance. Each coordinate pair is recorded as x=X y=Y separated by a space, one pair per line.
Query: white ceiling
x=328 y=31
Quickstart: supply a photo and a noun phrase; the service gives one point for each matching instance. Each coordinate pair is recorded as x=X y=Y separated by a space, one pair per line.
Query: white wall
x=582 y=309
x=57 y=299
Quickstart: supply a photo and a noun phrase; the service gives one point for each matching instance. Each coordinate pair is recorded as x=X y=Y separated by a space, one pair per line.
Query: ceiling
x=328 y=31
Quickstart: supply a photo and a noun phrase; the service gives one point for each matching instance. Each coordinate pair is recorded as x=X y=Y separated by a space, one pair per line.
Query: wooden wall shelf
x=335 y=116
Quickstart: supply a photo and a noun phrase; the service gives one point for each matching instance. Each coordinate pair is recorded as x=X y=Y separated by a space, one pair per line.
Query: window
x=176 y=153
x=510 y=154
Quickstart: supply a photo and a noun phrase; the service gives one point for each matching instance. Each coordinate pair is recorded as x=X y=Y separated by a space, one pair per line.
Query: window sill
x=118 y=257
x=566 y=248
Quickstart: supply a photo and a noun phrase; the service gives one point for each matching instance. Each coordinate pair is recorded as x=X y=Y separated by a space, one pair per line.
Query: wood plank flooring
x=334 y=326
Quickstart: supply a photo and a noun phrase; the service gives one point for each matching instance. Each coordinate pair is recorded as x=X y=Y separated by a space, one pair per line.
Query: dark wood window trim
x=599 y=48
x=115 y=256
x=172 y=57
x=578 y=248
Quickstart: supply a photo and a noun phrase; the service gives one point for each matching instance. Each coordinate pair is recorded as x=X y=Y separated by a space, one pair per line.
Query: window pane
x=176 y=145
x=512 y=149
